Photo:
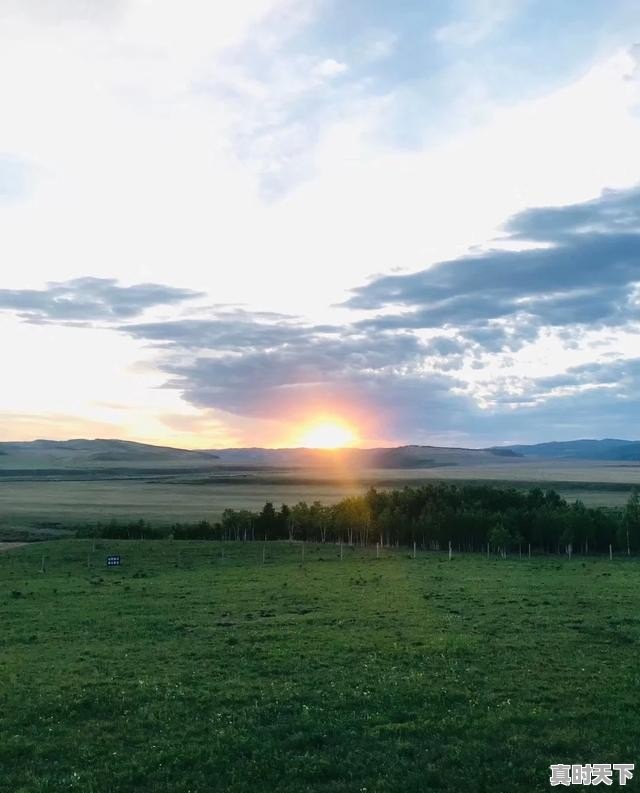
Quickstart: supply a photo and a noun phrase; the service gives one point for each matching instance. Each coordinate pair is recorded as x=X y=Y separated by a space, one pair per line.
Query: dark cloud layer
x=584 y=272
x=89 y=299
x=273 y=368
x=229 y=333
x=622 y=374
x=610 y=407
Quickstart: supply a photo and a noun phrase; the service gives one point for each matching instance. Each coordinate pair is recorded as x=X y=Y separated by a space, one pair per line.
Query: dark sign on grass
x=113 y=561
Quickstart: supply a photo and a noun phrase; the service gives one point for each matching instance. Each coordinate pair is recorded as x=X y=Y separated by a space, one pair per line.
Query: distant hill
x=586 y=449
x=395 y=457
x=98 y=453
x=123 y=457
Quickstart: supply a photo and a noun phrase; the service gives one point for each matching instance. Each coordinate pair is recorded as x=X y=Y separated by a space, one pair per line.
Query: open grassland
x=60 y=505
x=38 y=501
x=197 y=667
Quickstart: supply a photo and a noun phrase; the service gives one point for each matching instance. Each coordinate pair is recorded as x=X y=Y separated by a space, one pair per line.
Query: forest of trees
x=470 y=517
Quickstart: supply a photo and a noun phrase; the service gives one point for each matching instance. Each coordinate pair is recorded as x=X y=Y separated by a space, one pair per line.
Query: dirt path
x=7 y=546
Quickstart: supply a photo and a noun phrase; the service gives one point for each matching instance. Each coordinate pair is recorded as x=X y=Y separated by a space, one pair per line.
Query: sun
x=328 y=435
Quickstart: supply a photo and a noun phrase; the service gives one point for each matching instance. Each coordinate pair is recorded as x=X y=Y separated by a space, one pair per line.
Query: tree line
x=470 y=517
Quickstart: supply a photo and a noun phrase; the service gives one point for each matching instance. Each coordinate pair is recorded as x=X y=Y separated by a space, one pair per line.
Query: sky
x=224 y=224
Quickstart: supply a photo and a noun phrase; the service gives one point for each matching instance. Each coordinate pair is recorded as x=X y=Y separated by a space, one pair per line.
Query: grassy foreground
x=186 y=671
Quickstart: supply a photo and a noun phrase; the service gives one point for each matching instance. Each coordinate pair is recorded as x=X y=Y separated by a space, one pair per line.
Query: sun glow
x=328 y=435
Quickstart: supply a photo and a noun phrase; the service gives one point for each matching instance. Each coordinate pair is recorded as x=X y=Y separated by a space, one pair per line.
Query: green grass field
x=189 y=671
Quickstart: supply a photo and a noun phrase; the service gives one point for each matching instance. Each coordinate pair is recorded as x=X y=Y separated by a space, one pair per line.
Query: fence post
x=628 y=545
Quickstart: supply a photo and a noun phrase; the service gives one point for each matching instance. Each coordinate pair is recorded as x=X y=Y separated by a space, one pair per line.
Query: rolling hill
x=586 y=449
x=98 y=453
x=123 y=457
x=102 y=454
x=394 y=457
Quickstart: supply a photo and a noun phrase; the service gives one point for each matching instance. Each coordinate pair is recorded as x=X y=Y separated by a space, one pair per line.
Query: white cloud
x=330 y=68
x=478 y=21
x=380 y=46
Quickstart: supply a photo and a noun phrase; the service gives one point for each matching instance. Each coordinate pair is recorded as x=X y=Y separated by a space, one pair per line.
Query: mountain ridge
x=581 y=449
x=101 y=453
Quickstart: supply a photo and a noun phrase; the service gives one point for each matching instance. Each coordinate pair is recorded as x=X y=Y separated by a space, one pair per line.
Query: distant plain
x=45 y=501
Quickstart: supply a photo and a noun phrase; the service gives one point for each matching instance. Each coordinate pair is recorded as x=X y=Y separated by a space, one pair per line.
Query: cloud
x=443 y=361
x=594 y=410
x=613 y=212
x=228 y=333
x=383 y=403
x=16 y=178
x=285 y=369
x=622 y=374
x=330 y=68
x=89 y=299
x=586 y=273
x=477 y=20
x=436 y=69
x=582 y=275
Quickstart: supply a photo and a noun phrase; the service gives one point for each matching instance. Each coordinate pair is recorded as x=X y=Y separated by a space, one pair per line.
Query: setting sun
x=328 y=435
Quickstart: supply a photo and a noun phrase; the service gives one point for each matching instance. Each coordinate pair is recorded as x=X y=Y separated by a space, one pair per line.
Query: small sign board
x=113 y=561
